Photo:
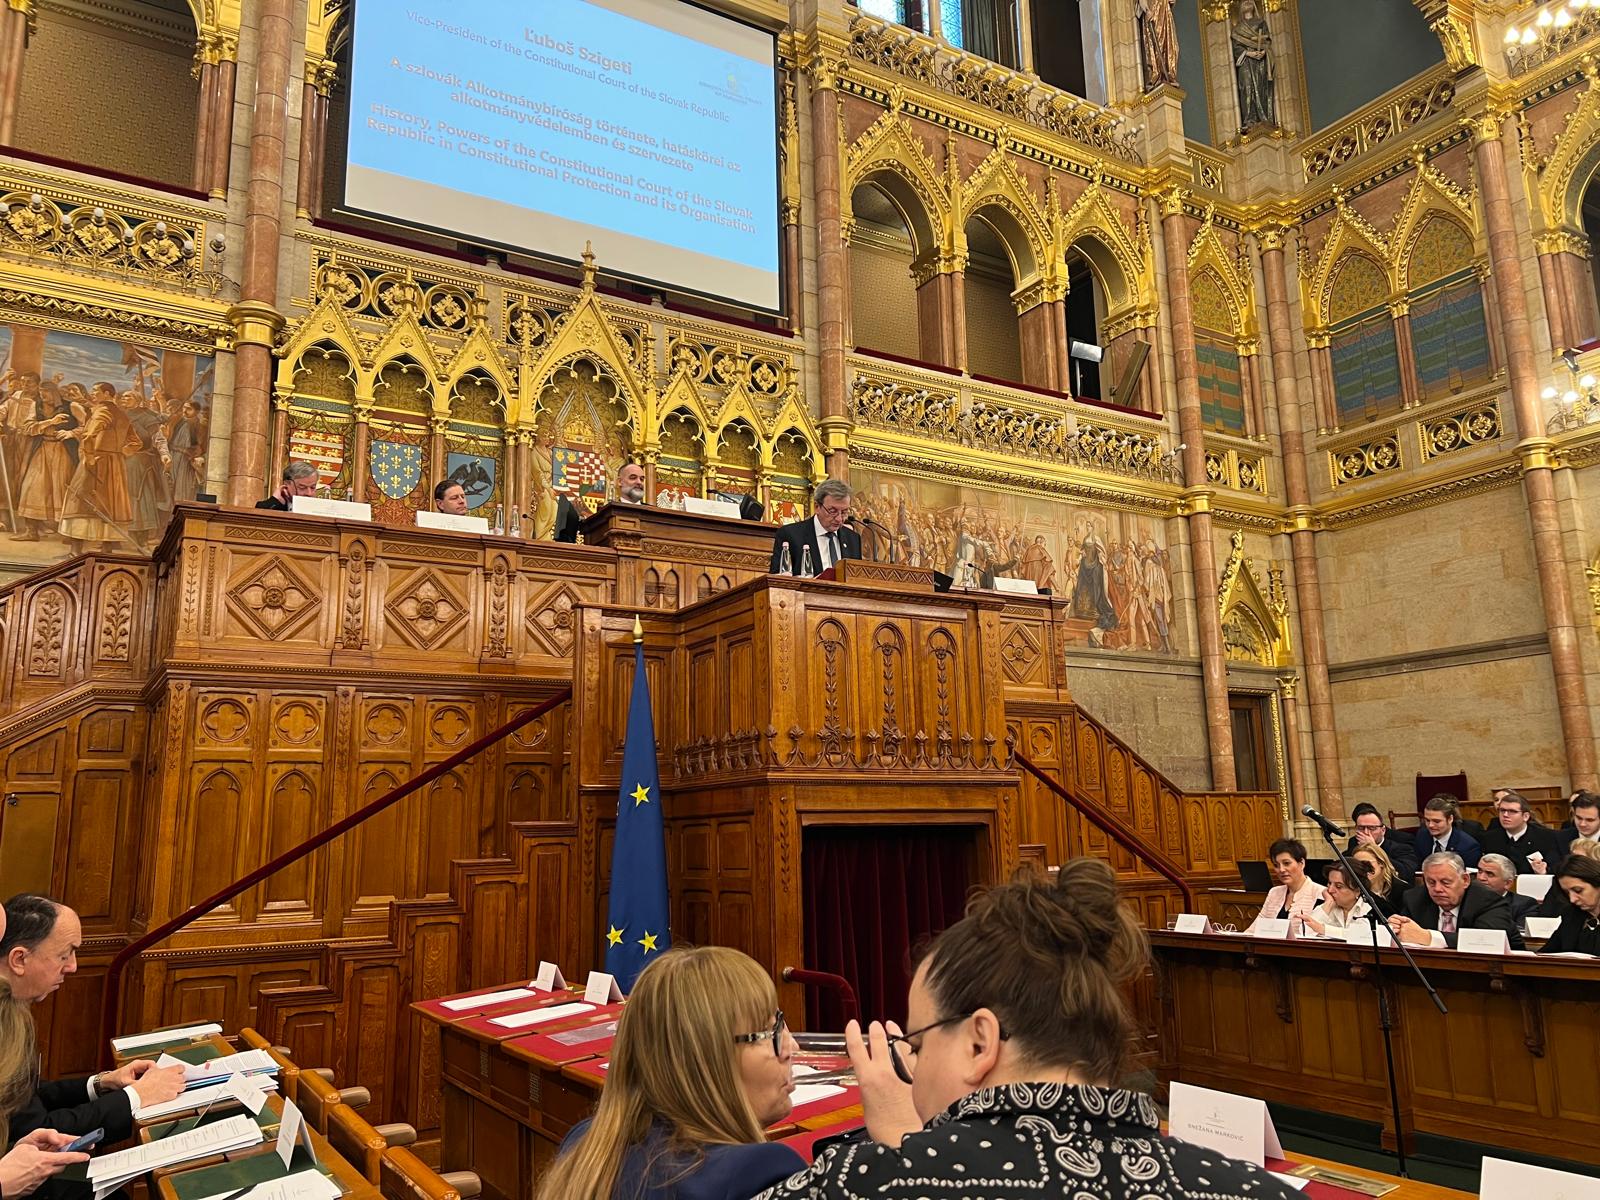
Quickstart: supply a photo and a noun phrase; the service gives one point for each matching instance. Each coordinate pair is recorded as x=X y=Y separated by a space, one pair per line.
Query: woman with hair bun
x=1006 y=1085
x=702 y=1064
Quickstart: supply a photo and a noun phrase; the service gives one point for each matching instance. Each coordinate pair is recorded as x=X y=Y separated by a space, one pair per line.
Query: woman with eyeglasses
x=1019 y=1032
x=701 y=1065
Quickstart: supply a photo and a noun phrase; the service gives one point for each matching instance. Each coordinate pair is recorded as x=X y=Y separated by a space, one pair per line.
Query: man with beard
x=96 y=508
x=43 y=487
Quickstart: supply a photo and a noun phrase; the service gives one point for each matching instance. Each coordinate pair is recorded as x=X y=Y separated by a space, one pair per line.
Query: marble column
x=361 y=450
x=1197 y=496
x=1291 y=746
x=1406 y=356
x=938 y=332
x=221 y=155
x=1041 y=360
x=13 y=44
x=832 y=269
x=1302 y=538
x=256 y=318
x=305 y=181
x=201 y=179
x=1538 y=479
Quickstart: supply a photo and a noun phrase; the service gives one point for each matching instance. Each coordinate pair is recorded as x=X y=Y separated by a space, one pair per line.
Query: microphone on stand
x=854 y=520
x=1327 y=826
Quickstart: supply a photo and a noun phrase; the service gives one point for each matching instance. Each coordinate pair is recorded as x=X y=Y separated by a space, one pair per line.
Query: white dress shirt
x=823 y=535
x=1435 y=938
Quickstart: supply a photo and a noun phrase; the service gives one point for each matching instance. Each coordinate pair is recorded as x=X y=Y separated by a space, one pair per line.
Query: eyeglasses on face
x=775 y=1033
x=901 y=1069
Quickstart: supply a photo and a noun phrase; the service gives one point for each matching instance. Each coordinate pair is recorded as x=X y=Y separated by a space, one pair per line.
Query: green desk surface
x=221 y=1178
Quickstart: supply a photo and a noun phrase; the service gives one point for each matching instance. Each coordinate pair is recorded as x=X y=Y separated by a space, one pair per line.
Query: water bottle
x=499 y=520
x=516 y=524
x=806 y=567
x=785 y=560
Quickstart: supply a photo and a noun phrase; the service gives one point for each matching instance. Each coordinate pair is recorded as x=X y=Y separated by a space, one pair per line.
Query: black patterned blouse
x=1034 y=1139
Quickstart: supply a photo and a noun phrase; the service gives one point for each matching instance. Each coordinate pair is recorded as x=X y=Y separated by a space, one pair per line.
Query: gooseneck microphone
x=1328 y=826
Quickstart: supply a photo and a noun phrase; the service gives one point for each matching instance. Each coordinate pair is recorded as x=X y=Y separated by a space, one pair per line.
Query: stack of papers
x=538 y=1016
x=163 y=1037
x=464 y=1003
x=810 y=1093
x=215 y=1070
x=236 y=1088
x=302 y=1185
x=110 y=1171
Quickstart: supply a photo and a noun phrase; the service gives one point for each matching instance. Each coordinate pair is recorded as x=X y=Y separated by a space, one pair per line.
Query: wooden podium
x=787 y=711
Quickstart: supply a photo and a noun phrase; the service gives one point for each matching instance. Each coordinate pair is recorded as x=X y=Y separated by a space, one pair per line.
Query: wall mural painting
x=1113 y=566
x=98 y=440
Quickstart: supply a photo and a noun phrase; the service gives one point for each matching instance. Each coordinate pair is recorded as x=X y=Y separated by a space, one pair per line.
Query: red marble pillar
x=306 y=178
x=361 y=449
x=222 y=126
x=1040 y=359
x=1302 y=539
x=1538 y=479
x=202 y=131
x=1291 y=749
x=256 y=318
x=832 y=272
x=1186 y=365
x=13 y=43
x=1058 y=339
x=1410 y=390
x=936 y=323
x=794 y=273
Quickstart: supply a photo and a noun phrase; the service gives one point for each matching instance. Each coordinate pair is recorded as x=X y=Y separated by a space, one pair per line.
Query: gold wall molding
x=1025 y=480
x=1391 y=115
x=1015 y=95
x=1413 y=495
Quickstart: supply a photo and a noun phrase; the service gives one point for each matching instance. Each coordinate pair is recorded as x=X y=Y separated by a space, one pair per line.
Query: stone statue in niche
x=1252 y=67
x=1158 y=37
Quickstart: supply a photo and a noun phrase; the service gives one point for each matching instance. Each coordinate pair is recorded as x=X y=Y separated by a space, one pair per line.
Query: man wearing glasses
x=1371 y=831
x=825 y=535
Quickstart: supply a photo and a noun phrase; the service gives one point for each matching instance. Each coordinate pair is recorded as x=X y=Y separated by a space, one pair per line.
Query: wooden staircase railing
x=1114 y=828
x=112 y=1005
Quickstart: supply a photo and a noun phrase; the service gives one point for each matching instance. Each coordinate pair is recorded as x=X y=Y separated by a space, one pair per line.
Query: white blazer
x=1304 y=901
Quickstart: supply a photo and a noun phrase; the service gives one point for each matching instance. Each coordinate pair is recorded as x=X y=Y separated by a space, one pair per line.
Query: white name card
x=343 y=510
x=711 y=508
x=548 y=978
x=1022 y=587
x=1537 y=886
x=601 y=989
x=439 y=520
x=292 y=1132
x=1238 y=1126
x=1543 y=928
x=1483 y=941
x=1502 y=1180
x=242 y=1089
x=1270 y=927
x=1360 y=934
x=1192 y=923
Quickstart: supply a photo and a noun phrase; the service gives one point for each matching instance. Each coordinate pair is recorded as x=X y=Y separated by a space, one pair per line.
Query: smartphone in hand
x=78 y=1145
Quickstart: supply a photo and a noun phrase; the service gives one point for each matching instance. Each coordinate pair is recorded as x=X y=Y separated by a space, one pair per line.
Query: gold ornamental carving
x=1255 y=620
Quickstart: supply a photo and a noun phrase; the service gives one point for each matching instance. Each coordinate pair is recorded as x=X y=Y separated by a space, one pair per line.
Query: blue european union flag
x=636 y=932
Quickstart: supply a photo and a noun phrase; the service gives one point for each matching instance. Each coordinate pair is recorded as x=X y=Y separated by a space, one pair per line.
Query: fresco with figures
x=1113 y=566
x=98 y=440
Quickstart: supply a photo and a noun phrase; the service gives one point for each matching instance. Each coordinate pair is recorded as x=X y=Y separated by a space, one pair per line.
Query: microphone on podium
x=1328 y=827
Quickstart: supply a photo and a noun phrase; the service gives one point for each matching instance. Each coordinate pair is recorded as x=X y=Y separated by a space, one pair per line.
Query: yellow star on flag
x=614 y=938
x=641 y=795
x=648 y=941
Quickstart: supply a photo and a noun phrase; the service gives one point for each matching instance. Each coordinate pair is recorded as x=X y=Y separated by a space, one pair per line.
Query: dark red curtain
x=871 y=896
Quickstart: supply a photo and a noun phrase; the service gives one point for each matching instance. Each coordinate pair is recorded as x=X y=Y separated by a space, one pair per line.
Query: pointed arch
x=891 y=150
x=996 y=188
x=1439 y=245
x=587 y=333
x=404 y=339
x=1346 y=236
x=479 y=353
x=894 y=182
x=1357 y=283
x=1571 y=165
x=1093 y=227
x=1208 y=254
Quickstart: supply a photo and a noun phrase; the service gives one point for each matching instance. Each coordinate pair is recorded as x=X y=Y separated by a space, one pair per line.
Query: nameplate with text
x=1192 y=923
x=1022 y=587
x=548 y=978
x=710 y=508
x=1543 y=928
x=601 y=989
x=1270 y=927
x=439 y=520
x=1483 y=941
x=1238 y=1126
x=341 y=510
x=1360 y=934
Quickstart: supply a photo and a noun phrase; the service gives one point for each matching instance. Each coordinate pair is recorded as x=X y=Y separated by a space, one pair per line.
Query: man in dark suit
x=38 y=950
x=1371 y=831
x=1585 y=822
x=1499 y=874
x=1448 y=903
x=1534 y=848
x=299 y=479
x=825 y=533
x=1439 y=834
